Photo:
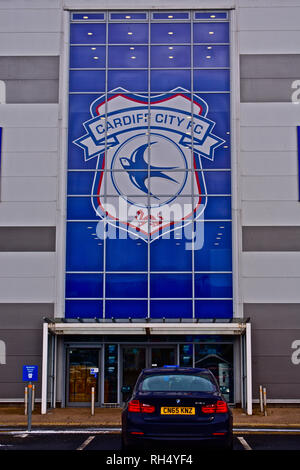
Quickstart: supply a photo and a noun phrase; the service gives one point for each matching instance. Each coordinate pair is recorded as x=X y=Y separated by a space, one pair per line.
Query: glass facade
x=149 y=171
x=119 y=363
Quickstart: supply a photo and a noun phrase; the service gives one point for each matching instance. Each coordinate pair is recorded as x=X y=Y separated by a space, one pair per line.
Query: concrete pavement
x=287 y=417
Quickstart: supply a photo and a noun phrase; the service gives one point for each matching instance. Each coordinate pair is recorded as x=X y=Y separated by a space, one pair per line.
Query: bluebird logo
x=149 y=158
x=137 y=162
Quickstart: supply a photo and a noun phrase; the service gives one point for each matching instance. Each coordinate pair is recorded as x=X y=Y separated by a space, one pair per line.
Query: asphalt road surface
x=95 y=440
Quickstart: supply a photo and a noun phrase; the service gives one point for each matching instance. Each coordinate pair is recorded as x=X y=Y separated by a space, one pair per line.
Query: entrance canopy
x=177 y=326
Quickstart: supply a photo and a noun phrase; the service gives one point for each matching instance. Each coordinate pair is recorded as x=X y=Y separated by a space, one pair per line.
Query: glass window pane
x=213 y=285
x=130 y=33
x=170 y=255
x=81 y=380
x=213 y=308
x=218 y=207
x=171 y=285
x=210 y=15
x=126 y=255
x=84 y=249
x=186 y=355
x=126 y=285
x=171 y=15
x=133 y=80
x=211 y=56
x=84 y=309
x=212 y=256
x=128 y=16
x=126 y=308
x=171 y=308
x=87 y=57
x=211 y=32
x=84 y=285
x=170 y=56
x=211 y=80
x=128 y=56
x=88 y=16
x=166 y=80
x=80 y=182
x=111 y=373
x=218 y=358
x=80 y=208
x=218 y=182
x=87 y=80
x=94 y=33
x=174 y=33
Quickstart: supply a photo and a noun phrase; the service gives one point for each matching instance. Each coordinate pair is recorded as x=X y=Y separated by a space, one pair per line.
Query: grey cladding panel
x=266 y=90
x=27 y=238
x=285 y=238
x=274 y=329
x=268 y=77
x=28 y=316
x=29 y=67
x=21 y=330
x=30 y=79
x=270 y=66
x=273 y=316
x=32 y=91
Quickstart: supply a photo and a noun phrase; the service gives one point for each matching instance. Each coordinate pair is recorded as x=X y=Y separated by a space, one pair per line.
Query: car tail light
x=219 y=407
x=135 y=406
x=209 y=408
x=147 y=408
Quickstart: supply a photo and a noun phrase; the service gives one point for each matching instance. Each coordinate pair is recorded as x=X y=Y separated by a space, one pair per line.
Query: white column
x=44 y=369
x=249 y=369
x=2 y=92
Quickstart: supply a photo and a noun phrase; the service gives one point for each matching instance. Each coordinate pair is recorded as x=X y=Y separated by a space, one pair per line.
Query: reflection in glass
x=186 y=355
x=81 y=381
x=161 y=357
x=134 y=360
x=218 y=358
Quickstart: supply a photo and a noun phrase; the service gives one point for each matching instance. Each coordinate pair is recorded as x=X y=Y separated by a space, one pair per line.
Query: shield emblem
x=148 y=179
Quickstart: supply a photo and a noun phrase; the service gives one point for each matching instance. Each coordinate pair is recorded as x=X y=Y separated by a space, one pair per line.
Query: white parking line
x=62 y=431
x=86 y=443
x=244 y=443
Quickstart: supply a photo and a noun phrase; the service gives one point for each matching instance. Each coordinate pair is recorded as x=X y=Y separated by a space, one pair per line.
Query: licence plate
x=177 y=410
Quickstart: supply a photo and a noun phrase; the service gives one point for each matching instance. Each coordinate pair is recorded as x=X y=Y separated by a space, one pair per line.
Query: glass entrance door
x=136 y=358
x=163 y=356
x=83 y=374
x=133 y=361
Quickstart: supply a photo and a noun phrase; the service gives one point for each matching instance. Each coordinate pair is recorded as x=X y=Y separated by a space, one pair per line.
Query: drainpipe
x=249 y=368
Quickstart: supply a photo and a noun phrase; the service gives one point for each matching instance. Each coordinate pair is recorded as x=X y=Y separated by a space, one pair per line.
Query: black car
x=176 y=406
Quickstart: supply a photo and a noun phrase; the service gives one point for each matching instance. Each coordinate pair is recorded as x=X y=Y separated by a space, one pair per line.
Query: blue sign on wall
x=30 y=373
x=149 y=170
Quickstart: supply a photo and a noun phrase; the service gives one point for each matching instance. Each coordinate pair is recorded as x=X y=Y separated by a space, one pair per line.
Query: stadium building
x=149 y=210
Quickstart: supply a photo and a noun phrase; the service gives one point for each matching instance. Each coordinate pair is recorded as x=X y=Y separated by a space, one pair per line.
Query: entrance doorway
x=136 y=358
x=83 y=373
x=163 y=356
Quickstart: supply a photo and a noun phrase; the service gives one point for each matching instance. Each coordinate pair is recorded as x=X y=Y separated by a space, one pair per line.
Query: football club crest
x=149 y=179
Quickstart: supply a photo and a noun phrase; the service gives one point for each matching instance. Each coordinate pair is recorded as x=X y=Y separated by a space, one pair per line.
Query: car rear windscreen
x=178 y=383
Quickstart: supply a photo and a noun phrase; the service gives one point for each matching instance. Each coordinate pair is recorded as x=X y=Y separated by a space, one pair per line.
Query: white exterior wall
x=30 y=153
